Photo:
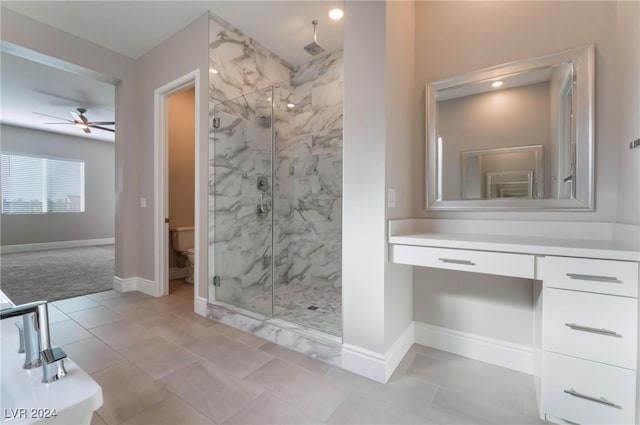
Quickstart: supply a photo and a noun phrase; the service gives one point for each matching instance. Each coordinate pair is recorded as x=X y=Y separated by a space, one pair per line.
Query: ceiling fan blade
x=102 y=128
x=53 y=116
x=85 y=129
x=102 y=123
x=64 y=123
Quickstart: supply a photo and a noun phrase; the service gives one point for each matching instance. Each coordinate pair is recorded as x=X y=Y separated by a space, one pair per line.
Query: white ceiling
x=132 y=28
x=284 y=27
x=29 y=87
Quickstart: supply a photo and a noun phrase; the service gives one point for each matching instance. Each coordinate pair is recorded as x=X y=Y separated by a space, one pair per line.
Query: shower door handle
x=263 y=207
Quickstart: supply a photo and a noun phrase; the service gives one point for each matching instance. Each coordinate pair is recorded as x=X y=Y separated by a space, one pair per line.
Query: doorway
x=58 y=178
x=176 y=182
x=181 y=187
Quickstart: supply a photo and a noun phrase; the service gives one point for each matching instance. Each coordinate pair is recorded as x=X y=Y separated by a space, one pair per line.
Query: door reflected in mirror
x=518 y=135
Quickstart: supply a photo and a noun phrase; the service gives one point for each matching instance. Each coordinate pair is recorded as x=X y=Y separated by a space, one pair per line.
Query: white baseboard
x=148 y=287
x=8 y=249
x=135 y=284
x=500 y=353
x=374 y=365
x=398 y=350
x=201 y=306
x=364 y=362
x=177 y=273
x=124 y=285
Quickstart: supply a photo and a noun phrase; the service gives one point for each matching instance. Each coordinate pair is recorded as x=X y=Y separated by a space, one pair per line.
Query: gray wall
x=97 y=220
x=378 y=130
x=179 y=55
x=400 y=127
x=497 y=307
x=363 y=216
x=458 y=37
x=26 y=32
x=465 y=36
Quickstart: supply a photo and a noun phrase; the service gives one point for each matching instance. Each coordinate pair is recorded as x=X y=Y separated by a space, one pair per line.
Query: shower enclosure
x=276 y=207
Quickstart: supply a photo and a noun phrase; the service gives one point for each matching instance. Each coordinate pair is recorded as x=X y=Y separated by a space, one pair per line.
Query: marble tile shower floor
x=159 y=363
x=312 y=306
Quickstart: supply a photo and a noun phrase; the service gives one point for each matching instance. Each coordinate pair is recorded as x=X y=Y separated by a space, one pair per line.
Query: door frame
x=161 y=185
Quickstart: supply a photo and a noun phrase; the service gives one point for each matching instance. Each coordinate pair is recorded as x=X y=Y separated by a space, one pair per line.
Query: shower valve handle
x=263 y=184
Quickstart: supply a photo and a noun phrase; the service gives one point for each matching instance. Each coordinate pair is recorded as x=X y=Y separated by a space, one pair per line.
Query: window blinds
x=33 y=185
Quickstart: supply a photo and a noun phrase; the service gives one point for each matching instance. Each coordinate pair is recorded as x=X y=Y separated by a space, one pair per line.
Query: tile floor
x=291 y=303
x=159 y=363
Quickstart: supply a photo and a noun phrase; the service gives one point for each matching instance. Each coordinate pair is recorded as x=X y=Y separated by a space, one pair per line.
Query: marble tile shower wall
x=307 y=188
x=309 y=178
x=242 y=64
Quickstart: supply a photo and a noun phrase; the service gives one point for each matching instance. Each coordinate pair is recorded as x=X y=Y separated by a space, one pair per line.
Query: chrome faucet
x=36 y=343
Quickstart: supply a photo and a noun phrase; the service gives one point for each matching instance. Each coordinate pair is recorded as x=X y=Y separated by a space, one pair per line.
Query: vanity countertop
x=428 y=233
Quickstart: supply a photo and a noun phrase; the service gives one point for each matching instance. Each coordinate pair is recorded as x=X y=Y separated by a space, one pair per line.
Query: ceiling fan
x=81 y=121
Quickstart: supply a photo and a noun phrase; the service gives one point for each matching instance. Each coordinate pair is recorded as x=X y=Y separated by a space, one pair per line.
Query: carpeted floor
x=56 y=274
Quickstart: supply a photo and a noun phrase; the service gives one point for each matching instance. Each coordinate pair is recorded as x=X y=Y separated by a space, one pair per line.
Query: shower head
x=314 y=48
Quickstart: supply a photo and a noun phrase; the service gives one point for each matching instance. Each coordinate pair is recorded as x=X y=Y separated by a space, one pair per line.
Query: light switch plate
x=143 y=202
x=391 y=198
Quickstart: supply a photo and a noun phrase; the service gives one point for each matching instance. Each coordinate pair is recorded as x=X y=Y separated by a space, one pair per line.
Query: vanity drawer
x=587 y=392
x=517 y=265
x=582 y=274
x=591 y=326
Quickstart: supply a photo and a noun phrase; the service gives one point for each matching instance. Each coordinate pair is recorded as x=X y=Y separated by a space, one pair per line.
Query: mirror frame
x=584 y=121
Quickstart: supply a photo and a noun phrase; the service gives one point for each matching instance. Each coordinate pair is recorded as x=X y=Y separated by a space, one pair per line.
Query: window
x=32 y=185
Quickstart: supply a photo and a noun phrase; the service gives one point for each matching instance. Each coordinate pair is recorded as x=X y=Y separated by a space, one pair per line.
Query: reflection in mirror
x=516 y=172
x=518 y=135
x=510 y=184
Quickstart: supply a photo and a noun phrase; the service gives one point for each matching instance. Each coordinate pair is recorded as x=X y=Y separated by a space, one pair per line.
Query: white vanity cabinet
x=585 y=348
x=589 y=340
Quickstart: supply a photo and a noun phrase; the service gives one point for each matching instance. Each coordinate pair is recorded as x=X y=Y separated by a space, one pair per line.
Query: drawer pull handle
x=595 y=278
x=454 y=261
x=600 y=400
x=592 y=330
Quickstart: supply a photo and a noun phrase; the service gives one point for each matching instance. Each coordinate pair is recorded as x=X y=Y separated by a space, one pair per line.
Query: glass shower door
x=240 y=199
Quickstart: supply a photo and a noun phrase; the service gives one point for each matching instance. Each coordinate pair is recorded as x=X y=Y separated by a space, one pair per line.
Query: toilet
x=182 y=240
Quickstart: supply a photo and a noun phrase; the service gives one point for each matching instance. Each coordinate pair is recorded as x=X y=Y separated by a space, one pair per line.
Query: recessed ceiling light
x=213 y=70
x=336 y=14
x=290 y=105
x=497 y=84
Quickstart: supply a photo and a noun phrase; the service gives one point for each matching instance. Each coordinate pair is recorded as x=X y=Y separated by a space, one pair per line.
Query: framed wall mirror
x=513 y=136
